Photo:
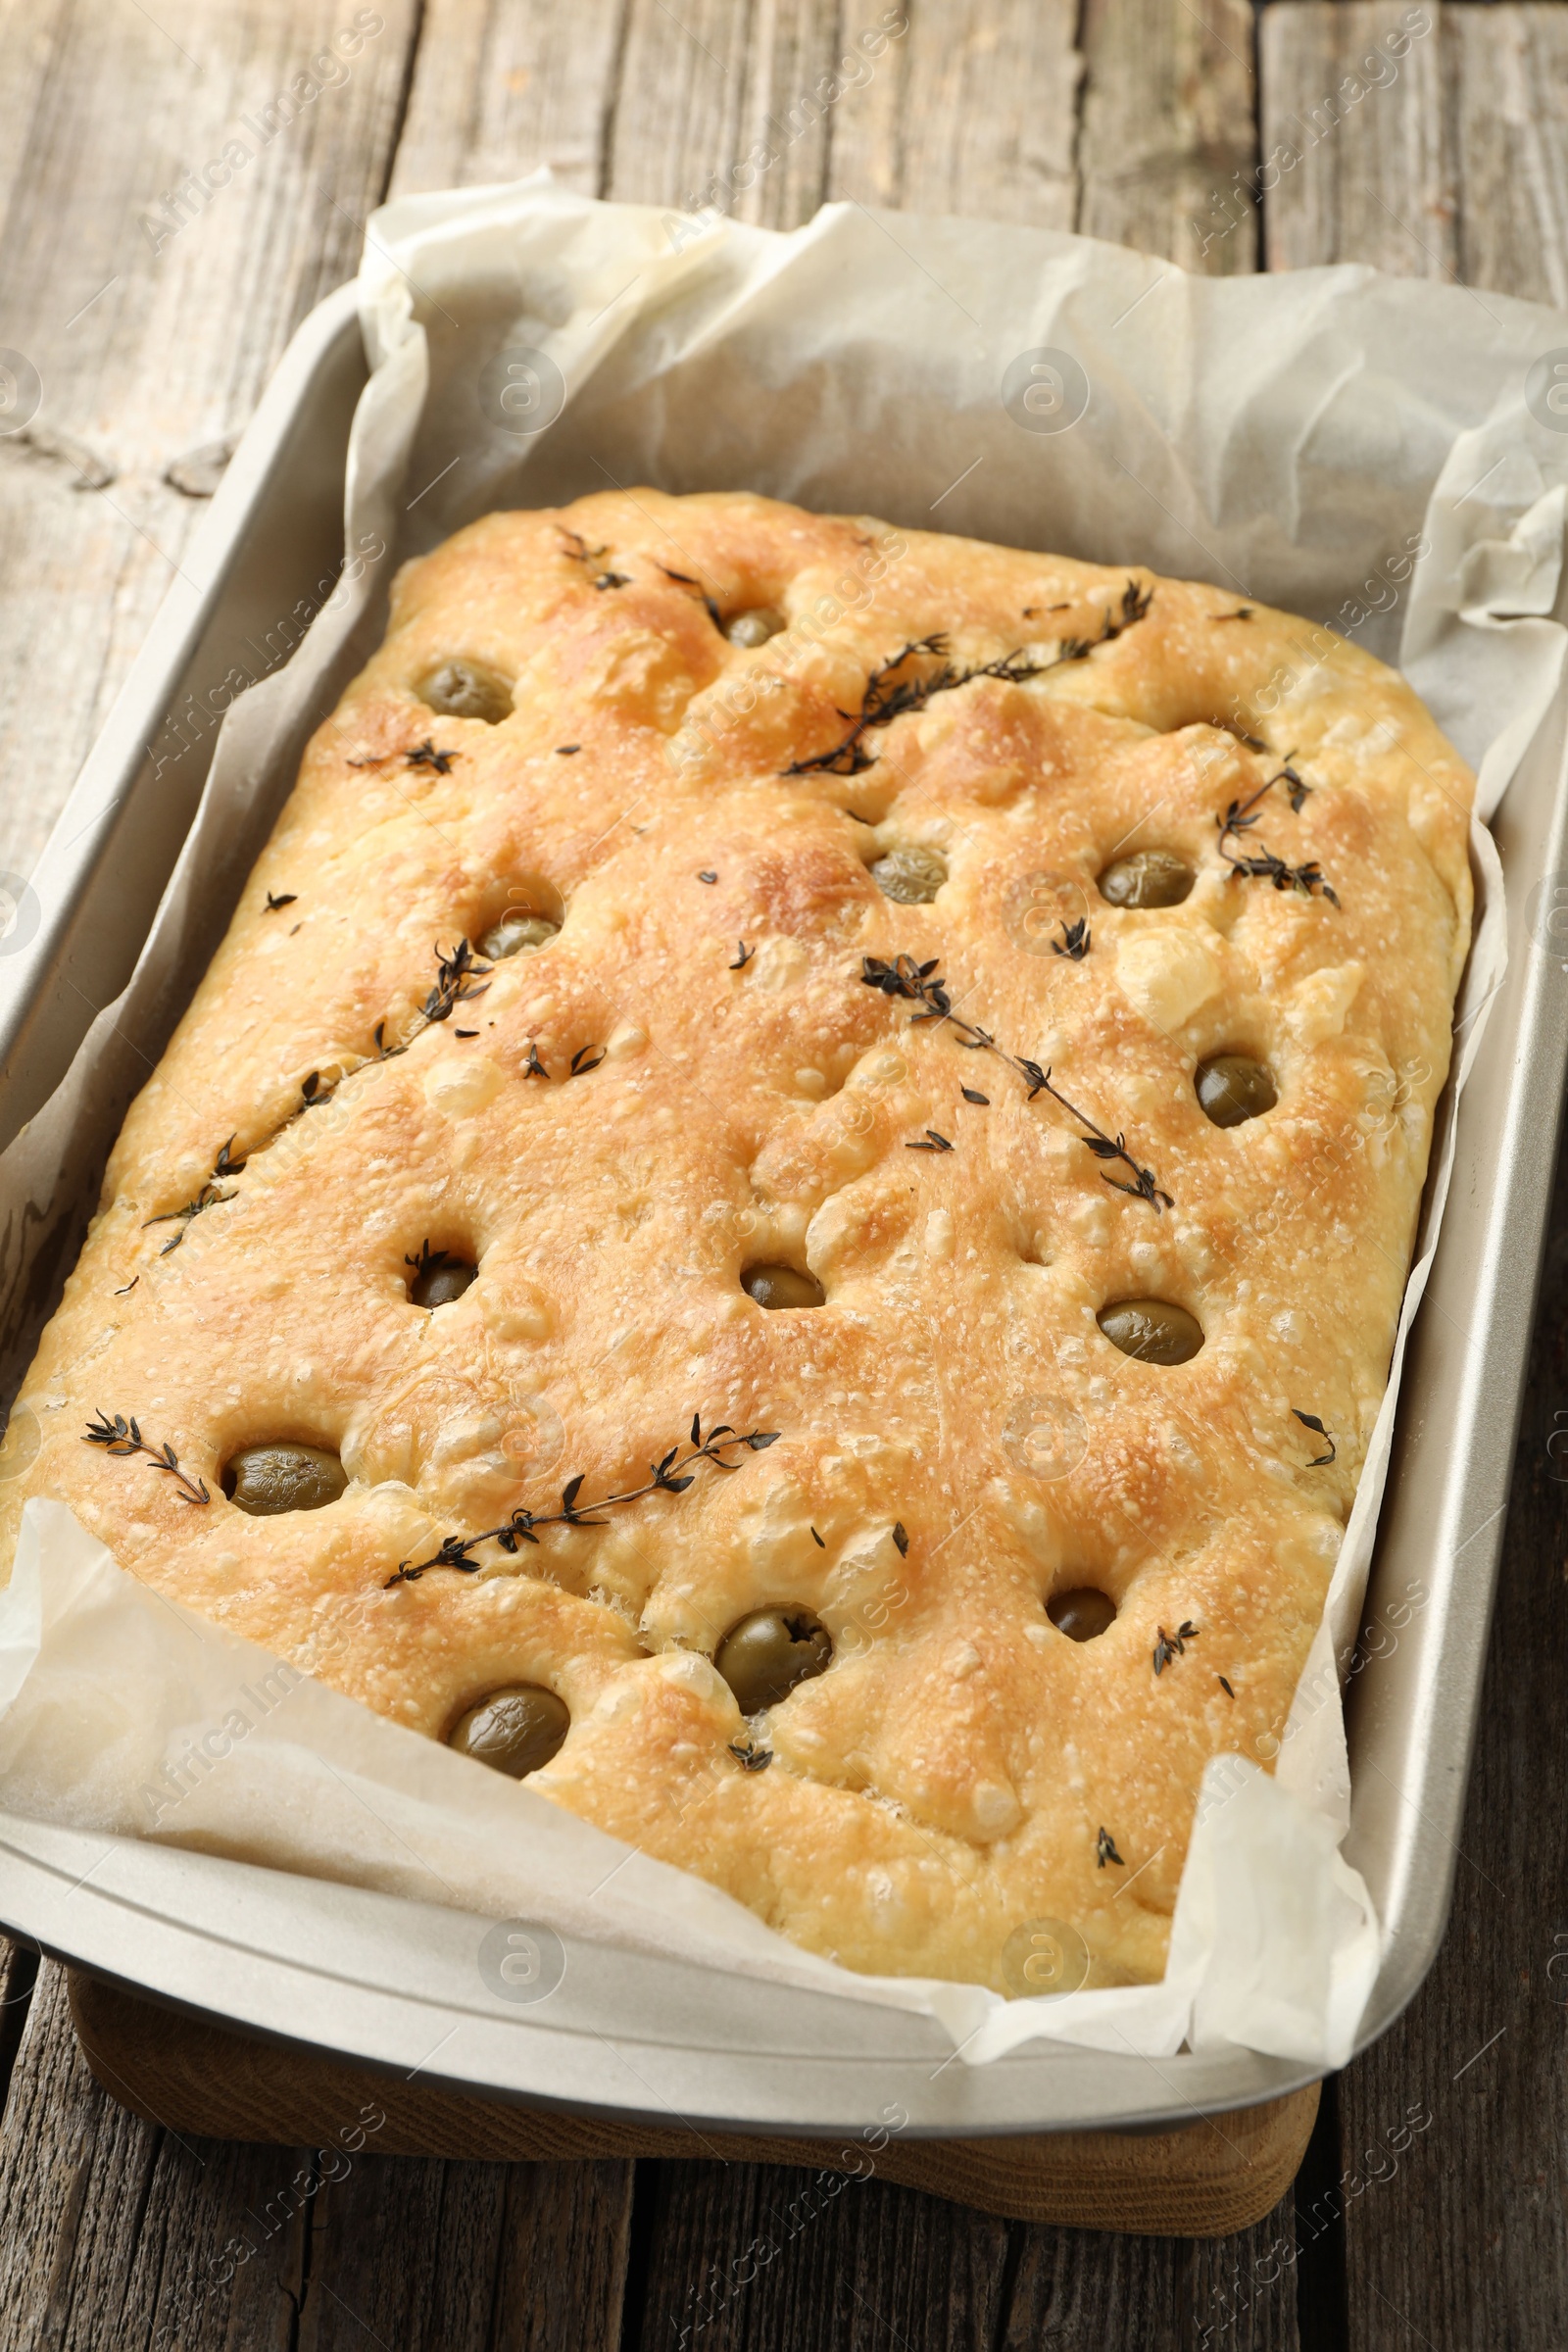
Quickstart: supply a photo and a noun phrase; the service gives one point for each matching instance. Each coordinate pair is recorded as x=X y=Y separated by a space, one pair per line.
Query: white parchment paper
x=1355 y=448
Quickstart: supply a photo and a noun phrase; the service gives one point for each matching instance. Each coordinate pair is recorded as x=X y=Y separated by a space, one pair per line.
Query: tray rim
x=1226 y=2081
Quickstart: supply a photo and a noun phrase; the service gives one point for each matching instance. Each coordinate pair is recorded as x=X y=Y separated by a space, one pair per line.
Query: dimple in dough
x=946 y=1782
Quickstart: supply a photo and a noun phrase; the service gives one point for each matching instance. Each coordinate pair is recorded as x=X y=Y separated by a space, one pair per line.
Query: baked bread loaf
x=807 y=969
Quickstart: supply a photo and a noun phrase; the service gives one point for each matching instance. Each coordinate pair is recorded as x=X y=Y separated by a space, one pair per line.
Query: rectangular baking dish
x=399 y=1984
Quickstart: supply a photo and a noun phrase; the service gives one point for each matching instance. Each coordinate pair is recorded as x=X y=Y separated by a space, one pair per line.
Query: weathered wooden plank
x=153 y=324
x=972 y=111
x=1507 y=82
x=1169 y=146
x=726 y=105
x=435 y=2257
x=114 y=2231
x=746 y=2256
x=1357 y=163
x=1458 y=2234
x=1072 y=2290
x=19 y=1967
x=498 y=90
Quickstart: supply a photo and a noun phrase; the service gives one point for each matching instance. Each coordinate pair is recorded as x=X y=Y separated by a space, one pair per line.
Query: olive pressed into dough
x=441 y=1280
x=517 y=933
x=467 y=690
x=769 y=1652
x=1083 y=1613
x=912 y=876
x=515 y=1730
x=1155 y=1329
x=1147 y=878
x=756 y=626
x=1232 y=1087
x=783 y=1286
x=278 y=1476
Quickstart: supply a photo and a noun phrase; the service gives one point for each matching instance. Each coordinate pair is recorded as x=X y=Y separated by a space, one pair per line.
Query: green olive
x=467 y=690
x=769 y=1652
x=1082 y=1613
x=1152 y=1330
x=515 y=1730
x=264 y=1479
x=911 y=877
x=440 y=1280
x=782 y=1286
x=1232 y=1087
x=754 y=627
x=1147 y=878
x=517 y=933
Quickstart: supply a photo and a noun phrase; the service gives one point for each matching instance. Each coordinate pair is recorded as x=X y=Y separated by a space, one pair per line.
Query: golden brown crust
x=946 y=1781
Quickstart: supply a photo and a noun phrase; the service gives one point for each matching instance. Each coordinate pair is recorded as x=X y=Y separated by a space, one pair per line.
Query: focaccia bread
x=808 y=970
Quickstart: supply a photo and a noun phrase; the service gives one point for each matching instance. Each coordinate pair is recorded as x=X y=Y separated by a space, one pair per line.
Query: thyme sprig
x=424 y=754
x=121 y=1437
x=1105 y=1852
x=459 y=978
x=1135 y=603
x=748 y=1756
x=921 y=982
x=1172 y=1645
x=888 y=696
x=1242 y=816
x=670 y=1476
x=1311 y=1421
x=209 y=1196
x=685 y=580
x=1075 y=941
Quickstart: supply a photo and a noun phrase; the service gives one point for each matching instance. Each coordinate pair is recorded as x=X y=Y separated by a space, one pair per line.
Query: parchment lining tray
x=397 y=1983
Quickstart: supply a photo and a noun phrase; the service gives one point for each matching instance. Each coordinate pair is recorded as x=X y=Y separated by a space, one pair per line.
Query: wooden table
x=1431 y=2210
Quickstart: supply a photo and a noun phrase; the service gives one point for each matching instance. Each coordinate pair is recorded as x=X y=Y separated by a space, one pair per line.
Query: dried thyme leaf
x=921 y=984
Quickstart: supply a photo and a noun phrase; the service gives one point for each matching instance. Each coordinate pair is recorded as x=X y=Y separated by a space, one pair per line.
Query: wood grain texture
x=447 y=2257
x=114 y=2231
x=1476 y=2064
x=747 y=2258
x=1507 y=82
x=118 y=2230
x=1357 y=159
x=974 y=111
x=759 y=2256
x=728 y=106
x=1169 y=150
x=1479 y=2053
x=498 y=90
x=153 y=334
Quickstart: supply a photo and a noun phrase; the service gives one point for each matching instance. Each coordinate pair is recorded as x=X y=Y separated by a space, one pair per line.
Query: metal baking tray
x=403 y=1985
